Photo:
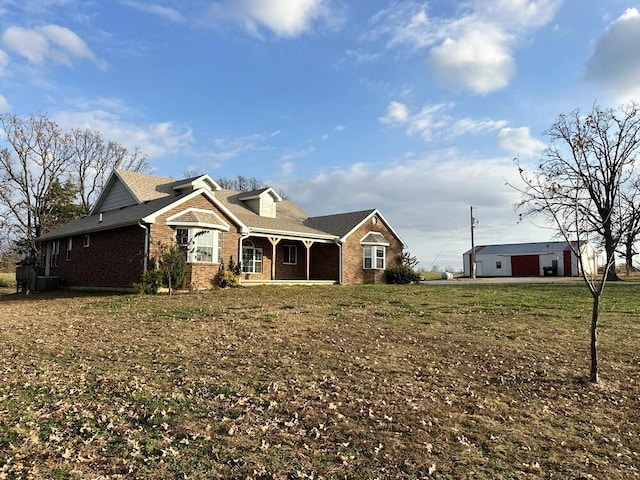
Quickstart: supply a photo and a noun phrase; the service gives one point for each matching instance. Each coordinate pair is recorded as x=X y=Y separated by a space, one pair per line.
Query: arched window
x=374 y=251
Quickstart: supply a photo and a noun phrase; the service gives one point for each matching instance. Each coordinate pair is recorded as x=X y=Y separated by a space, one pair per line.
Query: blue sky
x=414 y=108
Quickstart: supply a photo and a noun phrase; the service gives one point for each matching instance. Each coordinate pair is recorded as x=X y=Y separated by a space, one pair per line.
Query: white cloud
x=434 y=121
x=479 y=59
x=226 y=148
x=339 y=128
x=474 y=50
x=48 y=42
x=406 y=23
x=4 y=104
x=426 y=200
x=167 y=13
x=285 y=18
x=397 y=114
x=519 y=142
x=615 y=63
x=287 y=168
x=517 y=14
x=4 y=61
x=154 y=139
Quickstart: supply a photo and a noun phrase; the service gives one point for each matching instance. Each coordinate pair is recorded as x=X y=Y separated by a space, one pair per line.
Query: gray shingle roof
x=148 y=187
x=155 y=193
x=199 y=217
x=113 y=218
x=339 y=224
x=290 y=218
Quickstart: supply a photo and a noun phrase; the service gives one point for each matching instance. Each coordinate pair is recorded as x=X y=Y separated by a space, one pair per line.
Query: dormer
x=190 y=184
x=263 y=201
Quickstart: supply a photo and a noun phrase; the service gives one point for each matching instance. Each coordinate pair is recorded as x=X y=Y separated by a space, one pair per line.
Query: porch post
x=307 y=245
x=274 y=241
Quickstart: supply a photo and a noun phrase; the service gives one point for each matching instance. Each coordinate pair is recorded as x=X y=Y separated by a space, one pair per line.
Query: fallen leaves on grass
x=313 y=383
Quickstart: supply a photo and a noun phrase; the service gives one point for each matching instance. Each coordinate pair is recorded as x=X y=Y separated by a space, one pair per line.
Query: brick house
x=271 y=238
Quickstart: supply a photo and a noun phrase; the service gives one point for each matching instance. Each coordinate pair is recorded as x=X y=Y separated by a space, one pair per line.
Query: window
x=374 y=257
x=69 y=246
x=251 y=258
x=498 y=264
x=182 y=236
x=204 y=246
x=290 y=255
x=86 y=241
x=55 y=252
x=201 y=245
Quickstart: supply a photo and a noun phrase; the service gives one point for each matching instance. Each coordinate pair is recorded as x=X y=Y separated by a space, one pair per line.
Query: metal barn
x=531 y=260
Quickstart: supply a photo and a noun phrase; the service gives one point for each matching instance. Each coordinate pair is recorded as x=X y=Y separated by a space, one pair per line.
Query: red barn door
x=567 y=263
x=525 y=266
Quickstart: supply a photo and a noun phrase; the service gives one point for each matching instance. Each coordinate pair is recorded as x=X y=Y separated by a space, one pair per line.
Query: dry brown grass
x=484 y=381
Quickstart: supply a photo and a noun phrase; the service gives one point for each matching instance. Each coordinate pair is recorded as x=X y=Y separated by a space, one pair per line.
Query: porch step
x=249 y=283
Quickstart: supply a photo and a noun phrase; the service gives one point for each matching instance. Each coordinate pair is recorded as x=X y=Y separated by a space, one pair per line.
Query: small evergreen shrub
x=401 y=274
x=173 y=265
x=229 y=276
x=150 y=282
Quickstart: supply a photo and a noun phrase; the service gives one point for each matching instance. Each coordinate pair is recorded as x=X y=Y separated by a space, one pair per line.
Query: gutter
x=339 y=243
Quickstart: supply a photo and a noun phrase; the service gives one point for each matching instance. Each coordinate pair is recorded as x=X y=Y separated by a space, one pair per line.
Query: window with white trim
x=69 y=247
x=202 y=245
x=86 y=240
x=290 y=255
x=55 y=252
x=251 y=258
x=374 y=257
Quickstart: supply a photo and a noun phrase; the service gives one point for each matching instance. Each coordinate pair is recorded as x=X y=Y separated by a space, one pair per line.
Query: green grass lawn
x=452 y=381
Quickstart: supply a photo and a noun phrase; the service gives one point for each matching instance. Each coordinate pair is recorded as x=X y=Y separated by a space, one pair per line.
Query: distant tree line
x=49 y=176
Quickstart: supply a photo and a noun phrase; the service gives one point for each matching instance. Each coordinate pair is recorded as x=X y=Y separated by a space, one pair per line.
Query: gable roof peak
x=194 y=183
x=259 y=193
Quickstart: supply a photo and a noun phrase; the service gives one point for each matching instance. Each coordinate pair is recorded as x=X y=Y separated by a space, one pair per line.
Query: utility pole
x=473 y=247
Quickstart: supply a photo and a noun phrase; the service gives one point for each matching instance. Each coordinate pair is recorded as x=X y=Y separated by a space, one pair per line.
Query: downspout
x=339 y=243
x=146 y=246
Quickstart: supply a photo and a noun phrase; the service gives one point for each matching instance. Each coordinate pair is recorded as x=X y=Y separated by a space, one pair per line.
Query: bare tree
x=245 y=184
x=240 y=183
x=94 y=159
x=630 y=223
x=578 y=185
x=49 y=176
x=37 y=155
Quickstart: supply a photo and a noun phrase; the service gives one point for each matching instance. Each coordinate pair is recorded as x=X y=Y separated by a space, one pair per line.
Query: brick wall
x=352 y=254
x=113 y=259
x=202 y=275
x=325 y=261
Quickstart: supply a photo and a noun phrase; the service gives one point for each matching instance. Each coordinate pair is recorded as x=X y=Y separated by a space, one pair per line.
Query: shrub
x=173 y=265
x=402 y=274
x=229 y=276
x=150 y=282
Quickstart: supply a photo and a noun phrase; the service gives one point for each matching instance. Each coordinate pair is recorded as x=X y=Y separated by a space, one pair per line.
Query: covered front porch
x=286 y=259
